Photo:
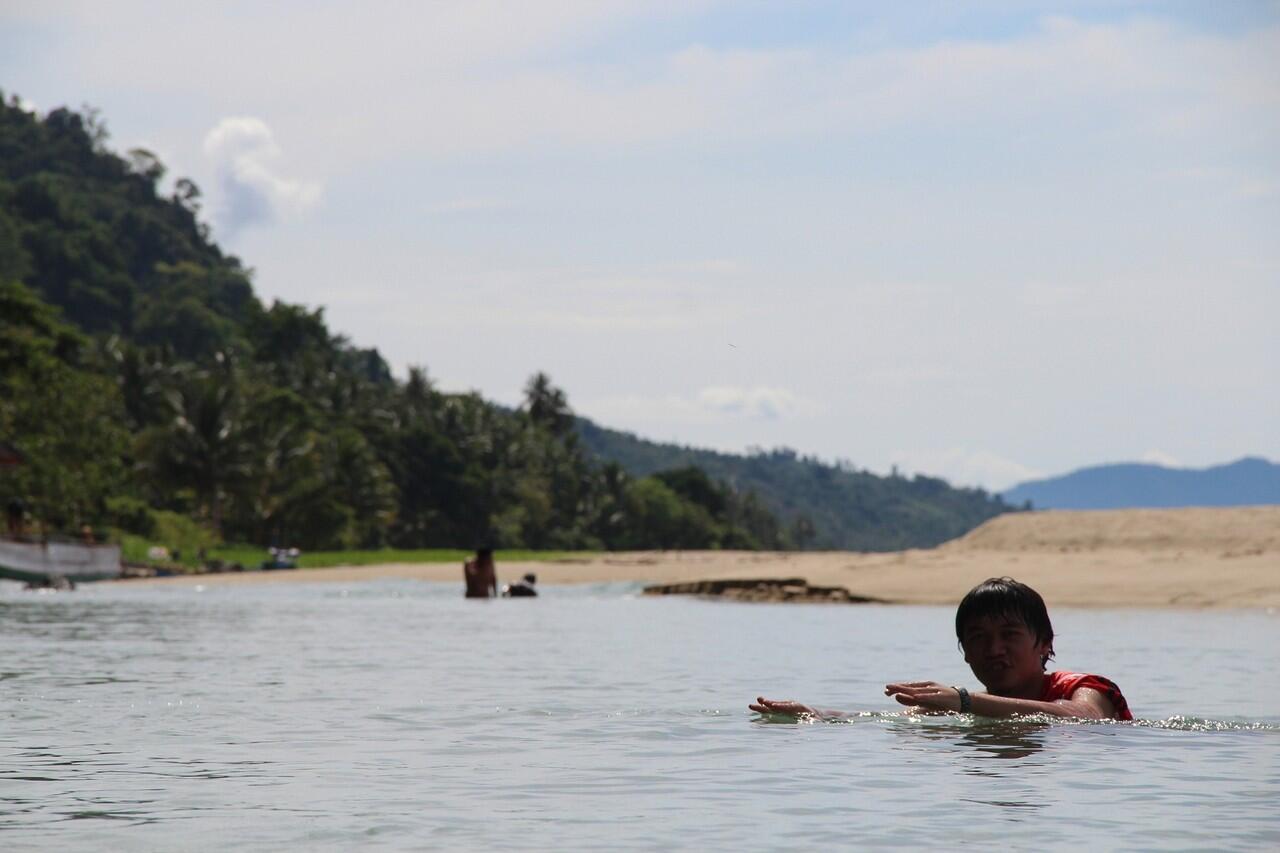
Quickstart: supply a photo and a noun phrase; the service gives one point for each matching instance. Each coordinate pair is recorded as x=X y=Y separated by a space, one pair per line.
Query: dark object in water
x=524 y=589
x=764 y=589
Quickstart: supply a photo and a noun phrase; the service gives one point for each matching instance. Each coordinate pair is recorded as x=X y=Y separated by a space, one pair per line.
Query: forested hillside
x=139 y=374
x=821 y=505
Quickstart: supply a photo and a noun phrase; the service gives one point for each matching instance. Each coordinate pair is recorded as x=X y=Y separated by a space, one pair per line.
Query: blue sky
x=985 y=241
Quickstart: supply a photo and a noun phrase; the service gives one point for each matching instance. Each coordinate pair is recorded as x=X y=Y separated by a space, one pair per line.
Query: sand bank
x=1115 y=558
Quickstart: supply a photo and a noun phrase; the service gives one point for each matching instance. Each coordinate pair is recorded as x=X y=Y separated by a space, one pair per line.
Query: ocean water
x=396 y=715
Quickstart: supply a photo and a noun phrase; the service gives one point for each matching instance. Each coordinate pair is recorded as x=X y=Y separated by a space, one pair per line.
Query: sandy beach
x=1117 y=558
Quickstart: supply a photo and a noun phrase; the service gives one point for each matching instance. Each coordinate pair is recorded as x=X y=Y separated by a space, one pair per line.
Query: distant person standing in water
x=524 y=589
x=480 y=575
x=1004 y=630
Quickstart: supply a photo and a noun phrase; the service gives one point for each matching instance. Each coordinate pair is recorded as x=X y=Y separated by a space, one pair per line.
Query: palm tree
x=547 y=405
x=203 y=442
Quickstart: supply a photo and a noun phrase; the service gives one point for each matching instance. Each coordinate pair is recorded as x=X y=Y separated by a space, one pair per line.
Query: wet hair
x=1006 y=597
x=531 y=578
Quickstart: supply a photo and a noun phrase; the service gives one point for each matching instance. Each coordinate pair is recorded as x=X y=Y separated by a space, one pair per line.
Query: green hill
x=821 y=505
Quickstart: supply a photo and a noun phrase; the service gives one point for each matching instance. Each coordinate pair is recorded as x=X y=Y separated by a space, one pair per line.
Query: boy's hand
x=927 y=694
x=782 y=706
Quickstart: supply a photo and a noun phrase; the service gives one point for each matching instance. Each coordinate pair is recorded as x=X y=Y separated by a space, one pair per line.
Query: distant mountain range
x=1246 y=482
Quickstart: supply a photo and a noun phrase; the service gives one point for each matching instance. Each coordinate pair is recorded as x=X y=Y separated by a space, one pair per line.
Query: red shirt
x=1061 y=685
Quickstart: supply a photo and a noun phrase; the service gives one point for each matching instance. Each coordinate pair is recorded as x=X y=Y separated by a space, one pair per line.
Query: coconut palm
x=203 y=442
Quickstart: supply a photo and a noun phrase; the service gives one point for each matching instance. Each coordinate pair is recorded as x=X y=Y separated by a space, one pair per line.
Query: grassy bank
x=324 y=559
x=135 y=550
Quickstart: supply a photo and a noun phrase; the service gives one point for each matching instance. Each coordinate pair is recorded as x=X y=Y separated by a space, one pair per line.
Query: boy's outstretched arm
x=1085 y=703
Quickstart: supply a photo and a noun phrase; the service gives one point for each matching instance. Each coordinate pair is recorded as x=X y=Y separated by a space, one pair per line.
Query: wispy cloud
x=1159 y=457
x=965 y=466
x=719 y=403
x=705 y=94
x=252 y=192
x=758 y=402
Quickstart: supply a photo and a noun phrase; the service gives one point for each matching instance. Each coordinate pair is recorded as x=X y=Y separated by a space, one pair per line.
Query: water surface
x=395 y=714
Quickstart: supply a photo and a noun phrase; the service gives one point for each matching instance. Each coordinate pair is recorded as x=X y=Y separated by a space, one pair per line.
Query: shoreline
x=1096 y=580
x=1185 y=559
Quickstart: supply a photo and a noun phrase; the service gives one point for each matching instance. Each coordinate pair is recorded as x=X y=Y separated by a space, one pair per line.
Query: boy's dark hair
x=1006 y=597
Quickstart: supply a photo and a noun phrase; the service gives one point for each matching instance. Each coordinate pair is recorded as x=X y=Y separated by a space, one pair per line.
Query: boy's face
x=1003 y=652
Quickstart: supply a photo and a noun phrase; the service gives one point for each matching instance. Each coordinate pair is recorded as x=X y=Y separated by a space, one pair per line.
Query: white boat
x=51 y=563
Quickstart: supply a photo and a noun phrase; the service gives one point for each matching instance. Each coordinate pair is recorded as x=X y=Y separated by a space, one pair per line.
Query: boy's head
x=1003 y=627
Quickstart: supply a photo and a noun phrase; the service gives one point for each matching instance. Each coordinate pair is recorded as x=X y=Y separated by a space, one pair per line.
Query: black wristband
x=966 y=701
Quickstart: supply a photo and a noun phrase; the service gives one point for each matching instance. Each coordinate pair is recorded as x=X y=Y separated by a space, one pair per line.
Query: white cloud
x=468 y=77
x=245 y=154
x=711 y=94
x=1159 y=457
x=759 y=402
x=963 y=466
x=472 y=76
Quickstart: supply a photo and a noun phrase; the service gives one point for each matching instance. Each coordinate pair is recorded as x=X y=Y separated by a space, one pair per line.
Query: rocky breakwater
x=764 y=589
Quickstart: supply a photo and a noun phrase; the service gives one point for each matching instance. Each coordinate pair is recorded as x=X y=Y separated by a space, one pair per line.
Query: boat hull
x=45 y=562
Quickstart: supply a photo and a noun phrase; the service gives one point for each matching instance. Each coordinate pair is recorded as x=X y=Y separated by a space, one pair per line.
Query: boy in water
x=1004 y=630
